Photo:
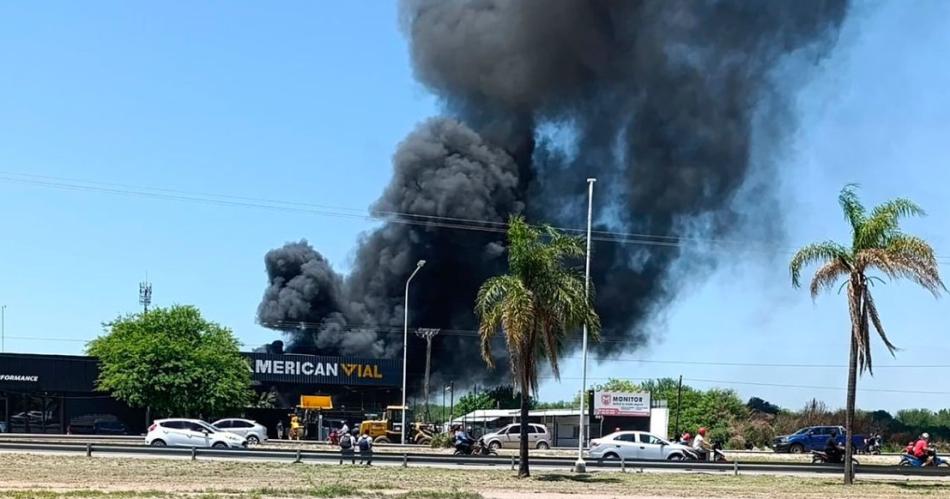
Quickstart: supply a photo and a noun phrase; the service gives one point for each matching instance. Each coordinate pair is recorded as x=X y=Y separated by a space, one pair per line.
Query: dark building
x=56 y=393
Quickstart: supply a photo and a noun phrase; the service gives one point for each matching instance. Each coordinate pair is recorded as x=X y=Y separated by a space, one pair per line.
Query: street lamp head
x=421 y=263
x=591 y=180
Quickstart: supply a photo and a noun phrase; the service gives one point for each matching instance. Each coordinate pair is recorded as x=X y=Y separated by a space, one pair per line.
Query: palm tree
x=536 y=306
x=877 y=245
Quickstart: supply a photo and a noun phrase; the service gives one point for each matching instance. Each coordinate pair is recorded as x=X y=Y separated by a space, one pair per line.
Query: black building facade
x=56 y=393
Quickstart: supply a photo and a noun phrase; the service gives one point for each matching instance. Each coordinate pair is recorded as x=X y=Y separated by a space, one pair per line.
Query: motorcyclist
x=909 y=450
x=686 y=438
x=923 y=451
x=833 y=452
x=700 y=445
x=463 y=441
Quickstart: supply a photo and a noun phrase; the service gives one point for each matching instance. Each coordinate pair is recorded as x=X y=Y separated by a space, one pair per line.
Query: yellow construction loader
x=387 y=429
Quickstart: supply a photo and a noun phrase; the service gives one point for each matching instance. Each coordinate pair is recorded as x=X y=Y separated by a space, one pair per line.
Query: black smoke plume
x=659 y=100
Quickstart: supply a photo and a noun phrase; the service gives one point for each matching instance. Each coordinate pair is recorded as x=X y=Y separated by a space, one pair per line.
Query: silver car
x=253 y=431
x=510 y=436
x=637 y=446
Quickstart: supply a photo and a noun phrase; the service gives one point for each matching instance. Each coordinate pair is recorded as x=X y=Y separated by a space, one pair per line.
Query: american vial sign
x=621 y=404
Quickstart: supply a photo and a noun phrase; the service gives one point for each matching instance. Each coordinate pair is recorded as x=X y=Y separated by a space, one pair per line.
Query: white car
x=510 y=436
x=191 y=433
x=253 y=431
x=637 y=446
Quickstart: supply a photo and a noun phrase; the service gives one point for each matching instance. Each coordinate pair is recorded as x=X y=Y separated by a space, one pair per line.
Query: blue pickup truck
x=814 y=438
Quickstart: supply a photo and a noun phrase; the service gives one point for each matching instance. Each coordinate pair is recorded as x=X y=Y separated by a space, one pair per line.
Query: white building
x=563 y=423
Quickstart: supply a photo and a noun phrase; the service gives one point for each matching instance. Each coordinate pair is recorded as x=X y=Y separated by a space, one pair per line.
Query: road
x=440 y=460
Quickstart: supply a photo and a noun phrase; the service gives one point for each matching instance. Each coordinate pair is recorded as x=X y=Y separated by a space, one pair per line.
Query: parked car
x=253 y=431
x=510 y=436
x=637 y=446
x=814 y=438
x=191 y=433
x=97 y=428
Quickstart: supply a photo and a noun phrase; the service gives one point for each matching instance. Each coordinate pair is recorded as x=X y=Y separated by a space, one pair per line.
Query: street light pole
x=580 y=466
x=405 y=349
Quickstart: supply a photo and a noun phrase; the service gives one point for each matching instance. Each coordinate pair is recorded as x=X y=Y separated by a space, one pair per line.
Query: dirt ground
x=49 y=476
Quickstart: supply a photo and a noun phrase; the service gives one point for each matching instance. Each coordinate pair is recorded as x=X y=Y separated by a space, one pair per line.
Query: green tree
x=172 y=361
x=612 y=385
x=762 y=406
x=505 y=397
x=473 y=402
x=536 y=305
x=877 y=245
x=715 y=409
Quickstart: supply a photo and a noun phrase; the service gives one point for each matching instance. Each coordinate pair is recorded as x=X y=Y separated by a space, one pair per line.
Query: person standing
x=366 y=449
x=346 y=448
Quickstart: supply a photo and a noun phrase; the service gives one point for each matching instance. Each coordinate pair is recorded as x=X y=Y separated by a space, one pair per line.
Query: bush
x=442 y=441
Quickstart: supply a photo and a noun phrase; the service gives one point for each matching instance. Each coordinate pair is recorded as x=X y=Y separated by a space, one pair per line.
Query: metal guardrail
x=408 y=458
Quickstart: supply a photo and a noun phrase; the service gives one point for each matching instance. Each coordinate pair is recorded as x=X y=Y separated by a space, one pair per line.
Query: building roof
x=487 y=415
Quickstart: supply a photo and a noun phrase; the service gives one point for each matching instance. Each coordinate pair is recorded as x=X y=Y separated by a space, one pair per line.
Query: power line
x=287 y=326
x=752 y=383
x=631 y=359
x=657 y=240
x=36 y=338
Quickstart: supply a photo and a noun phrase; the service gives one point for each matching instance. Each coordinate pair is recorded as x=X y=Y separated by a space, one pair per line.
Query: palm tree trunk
x=525 y=407
x=849 y=411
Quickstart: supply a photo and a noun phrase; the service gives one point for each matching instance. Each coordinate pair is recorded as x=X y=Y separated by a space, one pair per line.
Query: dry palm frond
x=876 y=321
x=815 y=253
x=895 y=265
x=827 y=276
x=854 y=306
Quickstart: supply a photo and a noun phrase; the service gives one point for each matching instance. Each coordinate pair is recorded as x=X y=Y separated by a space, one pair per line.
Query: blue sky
x=305 y=102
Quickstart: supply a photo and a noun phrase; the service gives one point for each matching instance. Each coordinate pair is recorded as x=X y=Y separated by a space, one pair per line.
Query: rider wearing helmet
x=686 y=438
x=700 y=446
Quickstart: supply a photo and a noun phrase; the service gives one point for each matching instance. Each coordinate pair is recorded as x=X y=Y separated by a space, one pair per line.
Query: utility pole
x=3 y=328
x=427 y=334
x=451 y=389
x=580 y=466
x=145 y=294
x=679 y=393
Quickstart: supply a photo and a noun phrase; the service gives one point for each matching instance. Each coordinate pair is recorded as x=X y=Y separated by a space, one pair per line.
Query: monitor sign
x=313 y=369
x=621 y=404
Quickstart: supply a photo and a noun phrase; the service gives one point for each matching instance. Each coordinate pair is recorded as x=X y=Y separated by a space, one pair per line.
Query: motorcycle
x=915 y=462
x=477 y=449
x=872 y=446
x=718 y=456
x=821 y=457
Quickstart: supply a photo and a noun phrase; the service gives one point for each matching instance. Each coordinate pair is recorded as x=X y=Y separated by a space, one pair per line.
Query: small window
x=626 y=437
x=227 y=423
x=237 y=423
x=540 y=429
x=174 y=425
